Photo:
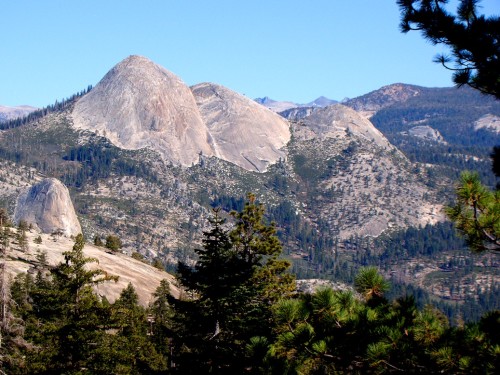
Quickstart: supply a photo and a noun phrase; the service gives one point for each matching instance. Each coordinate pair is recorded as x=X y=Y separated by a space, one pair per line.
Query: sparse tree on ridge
x=113 y=242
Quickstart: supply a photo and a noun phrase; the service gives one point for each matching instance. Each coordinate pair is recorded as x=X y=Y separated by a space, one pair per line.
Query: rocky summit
x=140 y=104
x=47 y=206
x=339 y=119
x=243 y=132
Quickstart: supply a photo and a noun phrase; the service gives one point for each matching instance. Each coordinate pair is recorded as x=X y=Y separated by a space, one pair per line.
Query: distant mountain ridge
x=11 y=113
x=280 y=106
x=383 y=97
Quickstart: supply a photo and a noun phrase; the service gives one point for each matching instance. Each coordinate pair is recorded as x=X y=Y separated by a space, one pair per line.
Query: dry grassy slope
x=143 y=277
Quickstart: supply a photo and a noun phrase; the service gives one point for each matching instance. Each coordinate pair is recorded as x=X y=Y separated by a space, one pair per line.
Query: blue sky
x=287 y=50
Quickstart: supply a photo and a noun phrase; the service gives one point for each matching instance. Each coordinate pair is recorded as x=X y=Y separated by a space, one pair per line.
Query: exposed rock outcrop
x=243 y=132
x=488 y=122
x=143 y=276
x=48 y=207
x=140 y=104
x=338 y=119
x=427 y=133
x=295 y=114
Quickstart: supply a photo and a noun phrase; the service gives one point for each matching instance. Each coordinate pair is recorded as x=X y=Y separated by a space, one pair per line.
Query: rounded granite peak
x=140 y=104
x=243 y=132
x=338 y=119
x=47 y=206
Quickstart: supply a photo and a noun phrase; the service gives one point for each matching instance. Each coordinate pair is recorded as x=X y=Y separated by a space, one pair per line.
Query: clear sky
x=291 y=50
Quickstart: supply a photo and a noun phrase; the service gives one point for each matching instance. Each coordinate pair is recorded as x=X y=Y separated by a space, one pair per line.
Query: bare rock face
x=488 y=122
x=140 y=104
x=338 y=120
x=427 y=133
x=297 y=114
x=243 y=132
x=48 y=207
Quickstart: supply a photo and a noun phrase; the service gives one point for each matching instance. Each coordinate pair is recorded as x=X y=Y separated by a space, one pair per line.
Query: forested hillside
x=326 y=197
x=238 y=314
x=454 y=113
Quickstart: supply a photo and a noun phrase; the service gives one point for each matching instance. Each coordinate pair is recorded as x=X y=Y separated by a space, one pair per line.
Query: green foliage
x=22 y=239
x=70 y=330
x=130 y=350
x=158 y=264
x=472 y=38
x=160 y=319
x=98 y=241
x=4 y=218
x=370 y=284
x=138 y=256
x=64 y=318
x=238 y=315
x=334 y=332
x=476 y=213
x=5 y=237
x=234 y=283
x=113 y=242
x=23 y=225
x=100 y=159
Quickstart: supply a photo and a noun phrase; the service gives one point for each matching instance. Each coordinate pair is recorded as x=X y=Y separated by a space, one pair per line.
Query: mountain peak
x=384 y=97
x=141 y=104
x=338 y=119
x=322 y=101
x=243 y=132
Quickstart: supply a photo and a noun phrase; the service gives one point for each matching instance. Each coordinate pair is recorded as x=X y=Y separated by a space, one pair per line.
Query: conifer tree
x=11 y=326
x=471 y=36
x=235 y=282
x=476 y=213
x=130 y=349
x=160 y=319
x=67 y=326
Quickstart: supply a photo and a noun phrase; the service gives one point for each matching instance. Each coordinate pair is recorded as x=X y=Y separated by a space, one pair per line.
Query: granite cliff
x=244 y=133
x=47 y=207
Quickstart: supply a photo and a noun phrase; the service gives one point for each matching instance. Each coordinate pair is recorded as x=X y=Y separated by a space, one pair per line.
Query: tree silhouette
x=472 y=38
